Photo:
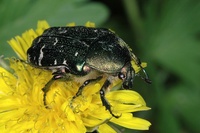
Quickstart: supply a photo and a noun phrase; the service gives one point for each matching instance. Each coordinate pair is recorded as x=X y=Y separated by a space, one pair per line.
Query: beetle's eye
x=121 y=76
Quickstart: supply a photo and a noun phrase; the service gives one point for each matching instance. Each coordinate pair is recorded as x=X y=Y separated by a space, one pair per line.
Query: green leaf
x=173 y=39
x=184 y=100
x=57 y=13
x=171 y=46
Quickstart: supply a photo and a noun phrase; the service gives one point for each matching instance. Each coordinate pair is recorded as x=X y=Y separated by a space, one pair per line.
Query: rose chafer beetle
x=84 y=54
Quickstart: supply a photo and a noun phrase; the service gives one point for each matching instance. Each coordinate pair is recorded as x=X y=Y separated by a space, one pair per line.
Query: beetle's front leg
x=104 y=100
x=79 y=92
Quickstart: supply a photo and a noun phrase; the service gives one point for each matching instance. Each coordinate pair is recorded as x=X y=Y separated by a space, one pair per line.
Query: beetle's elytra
x=84 y=54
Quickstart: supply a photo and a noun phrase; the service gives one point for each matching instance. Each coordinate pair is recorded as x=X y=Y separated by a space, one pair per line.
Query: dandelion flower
x=21 y=99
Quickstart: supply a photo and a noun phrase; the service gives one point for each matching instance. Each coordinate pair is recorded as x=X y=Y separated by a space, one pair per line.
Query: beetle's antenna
x=138 y=62
x=146 y=78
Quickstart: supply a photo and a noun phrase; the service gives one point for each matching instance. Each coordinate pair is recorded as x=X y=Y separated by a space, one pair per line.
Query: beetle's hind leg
x=46 y=89
x=56 y=75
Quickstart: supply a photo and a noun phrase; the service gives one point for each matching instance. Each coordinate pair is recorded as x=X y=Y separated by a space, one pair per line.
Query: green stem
x=134 y=18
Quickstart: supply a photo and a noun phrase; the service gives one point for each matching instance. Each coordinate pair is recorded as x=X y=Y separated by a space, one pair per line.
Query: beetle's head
x=127 y=75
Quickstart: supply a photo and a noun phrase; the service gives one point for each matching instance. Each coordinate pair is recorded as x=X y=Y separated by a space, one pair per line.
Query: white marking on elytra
x=41 y=56
x=39 y=40
x=29 y=57
x=85 y=44
x=76 y=54
x=62 y=31
x=65 y=62
x=56 y=41
x=55 y=62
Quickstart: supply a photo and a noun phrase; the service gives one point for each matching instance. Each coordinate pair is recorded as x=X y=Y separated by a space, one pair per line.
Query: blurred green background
x=164 y=33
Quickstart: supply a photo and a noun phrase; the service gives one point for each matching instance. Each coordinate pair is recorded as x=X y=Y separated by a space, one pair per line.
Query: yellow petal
x=7 y=82
x=105 y=128
x=9 y=103
x=91 y=89
x=128 y=121
x=41 y=26
x=126 y=96
x=136 y=67
x=71 y=24
x=124 y=108
x=92 y=122
x=99 y=113
x=69 y=113
x=90 y=24
x=16 y=46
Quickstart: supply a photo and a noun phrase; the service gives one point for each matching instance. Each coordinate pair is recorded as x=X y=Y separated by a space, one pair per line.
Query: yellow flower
x=21 y=99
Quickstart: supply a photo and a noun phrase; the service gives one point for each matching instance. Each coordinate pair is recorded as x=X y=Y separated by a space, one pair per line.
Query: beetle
x=84 y=54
